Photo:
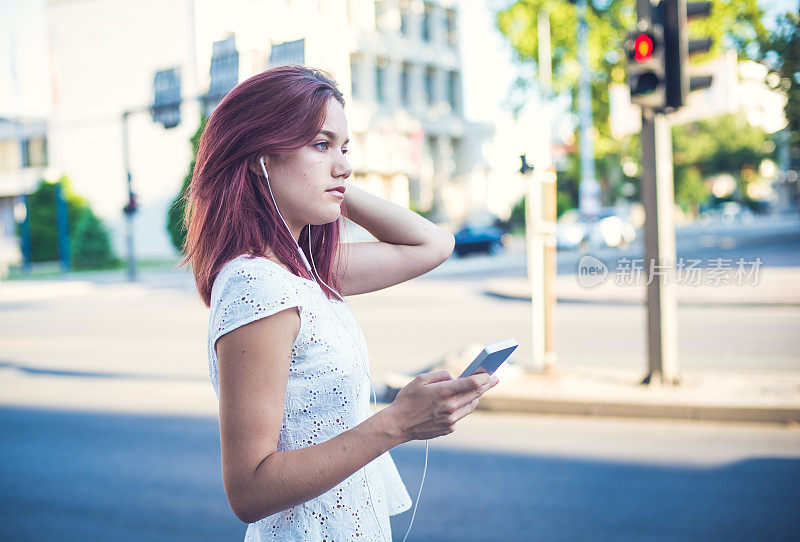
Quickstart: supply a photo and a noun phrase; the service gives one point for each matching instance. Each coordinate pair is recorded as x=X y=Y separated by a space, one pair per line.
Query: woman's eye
x=327 y=144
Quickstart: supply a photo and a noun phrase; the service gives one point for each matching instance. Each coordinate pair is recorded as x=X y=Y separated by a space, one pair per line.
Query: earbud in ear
x=263 y=166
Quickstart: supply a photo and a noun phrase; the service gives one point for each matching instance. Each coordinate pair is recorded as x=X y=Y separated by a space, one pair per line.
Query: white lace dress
x=328 y=392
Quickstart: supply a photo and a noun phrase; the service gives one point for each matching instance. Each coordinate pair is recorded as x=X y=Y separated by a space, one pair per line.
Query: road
x=75 y=476
x=119 y=438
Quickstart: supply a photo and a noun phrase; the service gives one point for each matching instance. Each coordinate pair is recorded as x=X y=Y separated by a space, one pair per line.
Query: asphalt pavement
x=110 y=429
x=74 y=476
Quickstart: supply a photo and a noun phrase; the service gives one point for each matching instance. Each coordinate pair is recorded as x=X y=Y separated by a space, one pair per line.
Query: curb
x=737 y=398
x=635 y=302
x=779 y=415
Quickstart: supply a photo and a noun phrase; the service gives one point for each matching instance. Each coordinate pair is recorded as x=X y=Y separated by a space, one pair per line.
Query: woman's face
x=302 y=181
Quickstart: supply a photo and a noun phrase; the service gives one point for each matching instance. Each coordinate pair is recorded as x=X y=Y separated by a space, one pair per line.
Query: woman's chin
x=328 y=218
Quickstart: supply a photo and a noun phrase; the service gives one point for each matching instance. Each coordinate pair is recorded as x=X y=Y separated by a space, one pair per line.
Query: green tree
x=89 y=243
x=731 y=24
x=90 y=246
x=43 y=218
x=781 y=52
x=727 y=144
x=176 y=211
x=735 y=25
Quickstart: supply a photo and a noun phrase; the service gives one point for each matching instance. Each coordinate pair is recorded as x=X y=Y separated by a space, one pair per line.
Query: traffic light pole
x=128 y=215
x=659 y=234
x=660 y=256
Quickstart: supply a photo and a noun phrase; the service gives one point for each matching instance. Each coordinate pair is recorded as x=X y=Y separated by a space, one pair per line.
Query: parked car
x=727 y=213
x=610 y=227
x=477 y=238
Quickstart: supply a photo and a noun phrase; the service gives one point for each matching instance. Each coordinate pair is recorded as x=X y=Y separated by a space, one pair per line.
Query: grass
x=47 y=270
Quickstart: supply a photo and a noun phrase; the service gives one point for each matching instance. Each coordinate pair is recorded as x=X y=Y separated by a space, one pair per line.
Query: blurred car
x=477 y=238
x=728 y=212
x=610 y=227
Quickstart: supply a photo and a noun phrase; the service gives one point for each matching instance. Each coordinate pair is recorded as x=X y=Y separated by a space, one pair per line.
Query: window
x=404 y=15
x=380 y=80
x=224 y=73
x=430 y=75
x=405 y=83
x=355 y=77
x=381 y=10
x=450 y=28
x=452 y=89
x=34 y=152
x=289 y=52
x=427 y=22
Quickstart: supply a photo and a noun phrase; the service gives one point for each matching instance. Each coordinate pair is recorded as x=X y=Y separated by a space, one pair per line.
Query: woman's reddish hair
x=228 y=208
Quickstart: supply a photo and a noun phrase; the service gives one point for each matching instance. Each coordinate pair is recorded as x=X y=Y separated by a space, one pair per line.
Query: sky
x=24 y=65
x=488 y=69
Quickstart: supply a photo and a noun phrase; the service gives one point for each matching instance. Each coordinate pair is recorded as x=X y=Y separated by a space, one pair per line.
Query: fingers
x=464 y=410
x=437 y=376
x=463 y=385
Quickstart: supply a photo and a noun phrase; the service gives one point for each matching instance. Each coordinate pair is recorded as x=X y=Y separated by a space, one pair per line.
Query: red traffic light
x=642 y=48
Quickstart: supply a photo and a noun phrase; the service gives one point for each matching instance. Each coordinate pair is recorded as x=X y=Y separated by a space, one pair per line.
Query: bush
x=90 y=247
x=89 y=242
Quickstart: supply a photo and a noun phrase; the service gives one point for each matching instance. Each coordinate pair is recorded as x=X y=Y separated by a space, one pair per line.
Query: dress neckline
x=288 y=272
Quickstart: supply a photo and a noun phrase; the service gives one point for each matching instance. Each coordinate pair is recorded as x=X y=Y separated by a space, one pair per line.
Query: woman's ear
x=255 y=165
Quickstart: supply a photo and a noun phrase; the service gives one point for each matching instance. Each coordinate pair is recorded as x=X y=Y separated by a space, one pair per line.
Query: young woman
x=302 y=456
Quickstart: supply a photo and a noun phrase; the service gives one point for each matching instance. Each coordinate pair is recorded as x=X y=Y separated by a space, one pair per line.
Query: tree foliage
x=727 y=144
x=782 y=52
x=176 y=211
x=736 y=25
x=90 y=246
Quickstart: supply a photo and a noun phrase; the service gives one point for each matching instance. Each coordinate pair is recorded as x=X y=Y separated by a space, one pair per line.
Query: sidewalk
x=758 y=396
x=775 y=286
x=763 y=397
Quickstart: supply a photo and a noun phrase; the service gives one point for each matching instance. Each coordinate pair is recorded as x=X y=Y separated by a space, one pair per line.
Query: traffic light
x=645 y=51
x=132 y=204
x=678 y=48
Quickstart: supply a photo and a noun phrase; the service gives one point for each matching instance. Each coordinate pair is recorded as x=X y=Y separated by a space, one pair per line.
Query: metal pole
x=128 y=216
x=536 y=272
x=547 y=180
x=62 y=220
x=659 y=233
x=589 y=188
x=550 y=267
x=25 y=236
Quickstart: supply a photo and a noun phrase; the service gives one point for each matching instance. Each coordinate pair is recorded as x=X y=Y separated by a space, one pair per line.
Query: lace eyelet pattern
x=327 y=392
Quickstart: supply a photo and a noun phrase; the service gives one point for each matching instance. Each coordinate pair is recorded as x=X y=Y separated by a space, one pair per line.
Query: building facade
x=397 y=63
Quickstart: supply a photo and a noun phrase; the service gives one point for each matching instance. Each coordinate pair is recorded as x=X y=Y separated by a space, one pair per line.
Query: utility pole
x=540 y=214
x=130 y=208
x=589 y=188
x=546 y=176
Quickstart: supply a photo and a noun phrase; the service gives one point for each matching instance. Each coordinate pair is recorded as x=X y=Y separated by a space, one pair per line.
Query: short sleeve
x=250 y=290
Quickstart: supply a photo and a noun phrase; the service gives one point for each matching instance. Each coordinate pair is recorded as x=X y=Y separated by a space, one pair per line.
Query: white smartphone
x=491 y=358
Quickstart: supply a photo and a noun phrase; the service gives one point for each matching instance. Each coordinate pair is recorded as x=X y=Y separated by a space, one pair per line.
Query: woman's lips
x=336 y=193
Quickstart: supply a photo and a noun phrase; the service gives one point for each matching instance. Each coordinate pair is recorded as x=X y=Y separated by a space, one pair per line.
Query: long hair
x=229 y=210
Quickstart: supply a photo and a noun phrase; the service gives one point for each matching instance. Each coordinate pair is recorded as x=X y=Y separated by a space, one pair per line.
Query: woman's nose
x=343 y=168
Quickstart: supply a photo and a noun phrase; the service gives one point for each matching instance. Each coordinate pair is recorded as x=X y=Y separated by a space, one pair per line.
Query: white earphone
x=313 y=270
